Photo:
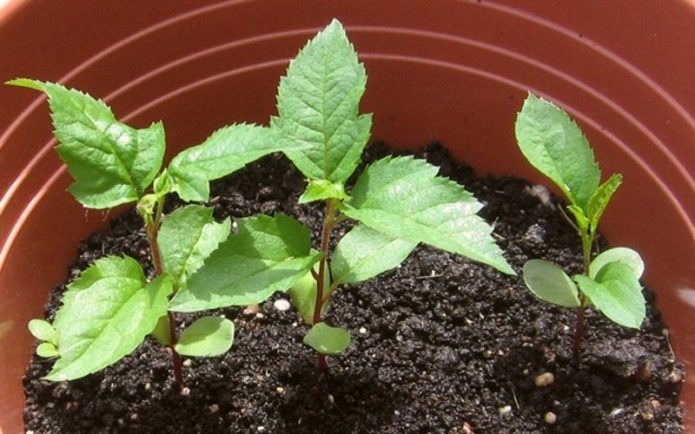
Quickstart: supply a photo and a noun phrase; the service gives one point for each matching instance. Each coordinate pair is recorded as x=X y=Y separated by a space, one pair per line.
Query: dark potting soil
x=440 y=344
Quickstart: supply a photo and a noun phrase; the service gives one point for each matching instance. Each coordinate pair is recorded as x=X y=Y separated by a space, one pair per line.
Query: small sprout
x=555 y=145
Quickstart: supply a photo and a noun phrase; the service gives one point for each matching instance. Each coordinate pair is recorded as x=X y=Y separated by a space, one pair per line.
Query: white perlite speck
x=281 y=304
x=507 y=409
x=550 y=418
x=544 y=379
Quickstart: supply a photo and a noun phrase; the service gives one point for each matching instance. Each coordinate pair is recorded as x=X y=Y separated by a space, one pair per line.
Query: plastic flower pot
x=446 y=70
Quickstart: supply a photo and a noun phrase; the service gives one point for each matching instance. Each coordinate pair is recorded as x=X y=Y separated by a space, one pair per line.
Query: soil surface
x=440 y=344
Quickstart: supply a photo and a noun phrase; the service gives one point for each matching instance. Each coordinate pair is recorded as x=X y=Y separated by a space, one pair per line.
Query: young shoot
x=554 y=144
x=112 y=306
x=397 y=203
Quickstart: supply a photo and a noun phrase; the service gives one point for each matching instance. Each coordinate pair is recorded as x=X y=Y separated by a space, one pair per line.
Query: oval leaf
x=106 y=313
x=111 y=162
x=47 y=350
x=42 y=330
x=208 y=336
x=328 y=340
x=403 y=198
x=162 y=331
x=550 y=283
x=616 y=293
x=303 y=294
x=624 y=255
x=555 y=145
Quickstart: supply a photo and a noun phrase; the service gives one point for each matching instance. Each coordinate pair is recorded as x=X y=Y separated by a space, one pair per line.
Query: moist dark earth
x=440 y=344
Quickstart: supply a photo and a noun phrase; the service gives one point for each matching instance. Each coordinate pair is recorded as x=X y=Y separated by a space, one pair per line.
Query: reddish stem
x=152 y=228
x=579 y=329
x=328 y=223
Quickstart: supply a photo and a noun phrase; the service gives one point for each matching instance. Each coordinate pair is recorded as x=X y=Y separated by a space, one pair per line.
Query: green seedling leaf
x=163 y=184
x=555 y=145
x=321 y=189
x=268 y=254
x=43 y=330
x=303 y=294
x=599 y=200
x=404 y=199
x=111 y=162
x=622 y=255
x=616 y=293
x=318 y=104
x=364 y=253
x=224 y=152
x=328 y=340
x=550 y=283
x=208 y=336
x=162 y=332
x=106 y=313
x=186 y=238
x=47 y=350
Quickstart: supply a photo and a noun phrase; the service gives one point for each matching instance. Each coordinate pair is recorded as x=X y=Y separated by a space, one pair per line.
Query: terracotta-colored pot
x=456 y=71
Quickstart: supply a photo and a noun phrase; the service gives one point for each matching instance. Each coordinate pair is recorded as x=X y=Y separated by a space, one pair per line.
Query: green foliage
x=268 y=254
x=111 y=162
x=303 y=294
x=224 y=152
x=404 y=199
x=106 y=313
x=208 y=336
x=318 y=103
x=322 y=189
x=186 y=238
x=328 y=340
x=550 y=283
x=555 y=145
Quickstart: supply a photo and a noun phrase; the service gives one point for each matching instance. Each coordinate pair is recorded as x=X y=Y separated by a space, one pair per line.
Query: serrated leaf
x=364 y=253
x=328 y=340
x=42 y=330
x=623 y=255
x=224 y=152
x=318 y=102
x=404 y=199
x=600 y=199
x=188 y=236
x=111 y=162
x=555 y=145
x=321 y=189
x=208 y=336
x=47 y=350
x=616 y=293
x=106 y=313
x=303 y=294
x=268 y=254
x=550 y=283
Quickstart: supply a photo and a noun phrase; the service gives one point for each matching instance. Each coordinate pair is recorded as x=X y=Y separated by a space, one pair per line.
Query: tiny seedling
x=397 y=202
x=555 y=145
x=112 y=306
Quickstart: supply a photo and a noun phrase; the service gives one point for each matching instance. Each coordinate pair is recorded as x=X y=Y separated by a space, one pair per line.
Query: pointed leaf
x=404 y=199
x=321 y=189
x=318 y=104
x=208 y=336
x=616 y=293
x=186 y=238
x=111 y=162
x=328 y=340
x=224 y=152
x=47 y=350
x=42 y=330
x=623 y=255
x=599 y=200
x=550 y=283
x=267 y=255
x=364 y=253
x=555 y=145
x=106 y=313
